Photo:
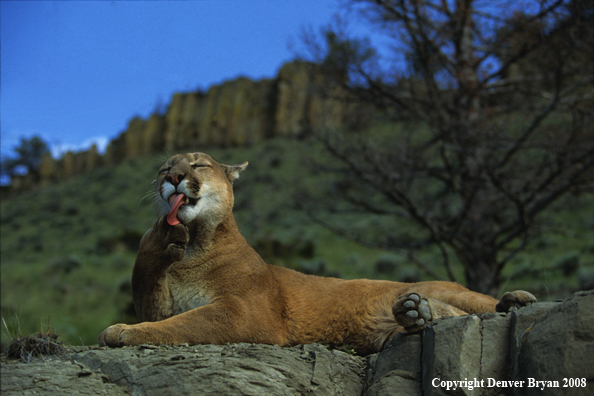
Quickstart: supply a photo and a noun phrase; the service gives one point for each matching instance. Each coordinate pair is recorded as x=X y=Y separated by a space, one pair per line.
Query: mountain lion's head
x=195 y=188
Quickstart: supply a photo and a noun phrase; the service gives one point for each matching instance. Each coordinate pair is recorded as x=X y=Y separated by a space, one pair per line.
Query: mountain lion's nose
x=174 y=178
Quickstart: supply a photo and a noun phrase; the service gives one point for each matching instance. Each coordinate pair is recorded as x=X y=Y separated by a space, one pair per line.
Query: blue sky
x=75 y=72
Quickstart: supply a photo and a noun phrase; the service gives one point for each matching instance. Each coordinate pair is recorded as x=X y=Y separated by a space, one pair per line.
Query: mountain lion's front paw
x=412 y=311
x=511 y=301
x=115 y=336
x=175 y=239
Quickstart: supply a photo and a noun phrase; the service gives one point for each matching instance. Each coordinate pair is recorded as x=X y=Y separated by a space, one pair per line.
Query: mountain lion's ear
x=232 y=171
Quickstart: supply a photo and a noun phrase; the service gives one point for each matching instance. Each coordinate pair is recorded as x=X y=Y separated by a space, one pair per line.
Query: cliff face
x=536 y=350
x=234 y=113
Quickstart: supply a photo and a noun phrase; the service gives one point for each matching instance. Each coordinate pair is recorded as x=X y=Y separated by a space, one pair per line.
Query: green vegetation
x=29 y=152
x=68 y=250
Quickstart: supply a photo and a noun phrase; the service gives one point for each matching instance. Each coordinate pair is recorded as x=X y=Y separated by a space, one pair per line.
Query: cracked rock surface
x=234 y=369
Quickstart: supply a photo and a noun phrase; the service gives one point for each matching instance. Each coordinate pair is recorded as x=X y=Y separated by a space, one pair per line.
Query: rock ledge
x=546 y=342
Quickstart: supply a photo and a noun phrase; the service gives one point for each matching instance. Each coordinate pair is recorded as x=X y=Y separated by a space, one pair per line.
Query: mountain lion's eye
x=195 y=166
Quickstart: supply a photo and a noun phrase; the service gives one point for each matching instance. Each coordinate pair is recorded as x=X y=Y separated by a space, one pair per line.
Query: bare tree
x=491 y=111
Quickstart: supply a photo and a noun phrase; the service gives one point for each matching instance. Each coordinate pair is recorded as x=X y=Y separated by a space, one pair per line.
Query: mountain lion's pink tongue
x=177 y=202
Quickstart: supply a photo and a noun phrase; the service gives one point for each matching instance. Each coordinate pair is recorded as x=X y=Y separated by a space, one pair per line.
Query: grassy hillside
x=68 y=250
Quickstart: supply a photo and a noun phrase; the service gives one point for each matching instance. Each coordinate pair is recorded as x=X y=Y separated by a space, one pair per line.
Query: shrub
x=66 y=264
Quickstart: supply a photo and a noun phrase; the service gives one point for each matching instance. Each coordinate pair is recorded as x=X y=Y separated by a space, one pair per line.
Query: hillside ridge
x=235 y=113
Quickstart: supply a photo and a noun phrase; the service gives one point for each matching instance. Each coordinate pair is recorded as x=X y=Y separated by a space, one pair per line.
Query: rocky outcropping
x=544 y=349
x=235 y=113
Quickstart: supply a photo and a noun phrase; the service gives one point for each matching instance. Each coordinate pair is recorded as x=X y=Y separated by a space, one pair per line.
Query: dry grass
x=36 y=346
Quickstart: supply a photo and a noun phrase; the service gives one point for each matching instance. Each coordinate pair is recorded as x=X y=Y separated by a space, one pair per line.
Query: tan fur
x=200 y=282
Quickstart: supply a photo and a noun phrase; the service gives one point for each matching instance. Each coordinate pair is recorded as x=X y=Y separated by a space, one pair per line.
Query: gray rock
x=494 y=362
x=397 y=383
x=237 y=369
x=451 y=352
x=57 y=376
x=521 y=320
x=396 y=371
x=560 y=346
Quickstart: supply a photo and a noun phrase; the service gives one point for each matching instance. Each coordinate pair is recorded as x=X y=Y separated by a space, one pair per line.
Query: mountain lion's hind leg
x=414 y=311
x=514 y=300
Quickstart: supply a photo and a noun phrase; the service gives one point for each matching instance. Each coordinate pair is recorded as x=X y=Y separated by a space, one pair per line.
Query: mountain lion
x=197 y=281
